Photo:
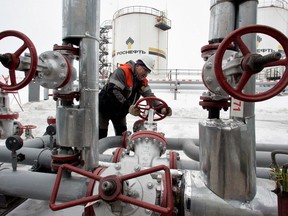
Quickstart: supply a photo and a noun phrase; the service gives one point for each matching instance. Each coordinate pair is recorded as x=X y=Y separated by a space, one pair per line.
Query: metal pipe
x=263 y=161
x=36 y=185
x=208 y=203
x=33 y=156
x=191 y=149
x=222 y=19
x=37 y=142
x=81 y=26
x=188 y=165
x=270 y=147
x=89 y=82
x=109 y=142
x=187 y=145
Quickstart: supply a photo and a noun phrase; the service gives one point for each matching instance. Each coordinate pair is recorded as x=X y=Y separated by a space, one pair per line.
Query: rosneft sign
x=129 y=42
x=266 y=48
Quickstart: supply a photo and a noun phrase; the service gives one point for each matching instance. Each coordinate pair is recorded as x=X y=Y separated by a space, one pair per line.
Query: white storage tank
x=273 y=13
x=140 y=30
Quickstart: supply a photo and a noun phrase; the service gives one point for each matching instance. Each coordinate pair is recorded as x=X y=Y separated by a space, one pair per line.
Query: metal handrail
x=273 y=3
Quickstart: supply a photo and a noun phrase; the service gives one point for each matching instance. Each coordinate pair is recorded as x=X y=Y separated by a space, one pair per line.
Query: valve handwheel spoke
x=13 y=61
x=235 y=37
x=110 y=189
x=144 y=104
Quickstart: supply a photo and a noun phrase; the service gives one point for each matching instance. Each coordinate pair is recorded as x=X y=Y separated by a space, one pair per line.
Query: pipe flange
x=155 y=137
x=51 y=120
x=9 y=116
x=209 y=102
x=67 y=49
x=58 y=70
x=60 y=159
x=70 y=96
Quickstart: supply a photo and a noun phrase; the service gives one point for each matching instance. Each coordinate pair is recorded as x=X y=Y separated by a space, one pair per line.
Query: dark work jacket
x=121 y=91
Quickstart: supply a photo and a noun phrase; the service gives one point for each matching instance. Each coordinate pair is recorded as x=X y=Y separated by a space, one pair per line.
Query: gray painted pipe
x=109 y=142
x=188 y=146
x=264 y=159
x=261 y=172
x=188 y=165
x=32 y=155
x=191 y=148
x=37 y=142
x=270 y=147
x=36 y=185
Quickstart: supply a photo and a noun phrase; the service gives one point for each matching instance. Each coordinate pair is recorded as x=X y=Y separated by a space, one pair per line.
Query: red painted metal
x=282 y=204
x=117 y=155
x=89 y=211
x=29 y=127
x=117 y=194
x=58 y=160
x=173 y=160
x=51 y=120
x=69 y=49
x=14 y=61
x=149 y=104
x=70 y=96
x=124 y=139
x=9 y=116
x=235 y=37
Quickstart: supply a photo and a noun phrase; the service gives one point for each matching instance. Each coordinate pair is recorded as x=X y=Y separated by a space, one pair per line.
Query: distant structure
x=272 y=13
x=104 y=41
x=139 y=30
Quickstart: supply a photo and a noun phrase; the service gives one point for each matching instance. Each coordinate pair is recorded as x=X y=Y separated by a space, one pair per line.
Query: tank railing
x=273 y=3
x=139 y=9
x=195 y=74
x=106 y=23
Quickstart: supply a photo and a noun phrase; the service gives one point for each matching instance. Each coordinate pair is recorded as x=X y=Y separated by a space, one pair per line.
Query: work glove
x=134 y=111
x=166 y=111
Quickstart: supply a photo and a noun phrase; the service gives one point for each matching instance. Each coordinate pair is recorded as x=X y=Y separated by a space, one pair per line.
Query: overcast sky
x=41 y=21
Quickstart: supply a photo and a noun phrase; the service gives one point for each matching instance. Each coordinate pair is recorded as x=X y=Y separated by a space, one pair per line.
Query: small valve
x=28 y=130
x=14 y=143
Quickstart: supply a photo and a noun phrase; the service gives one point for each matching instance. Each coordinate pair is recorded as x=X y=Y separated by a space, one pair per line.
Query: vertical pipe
x=81 y=26
x=247 y=15
x=222 y=19
x=89 y=82
x=34 y=92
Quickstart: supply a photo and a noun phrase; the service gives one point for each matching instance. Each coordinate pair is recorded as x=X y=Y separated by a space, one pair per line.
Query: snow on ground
x=271 y=116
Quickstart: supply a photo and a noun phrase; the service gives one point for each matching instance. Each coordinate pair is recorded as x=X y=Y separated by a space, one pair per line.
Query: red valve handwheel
x=144 y=104
x=117 y=193
x=235 y=37
x=29 y=127
x=13 y=64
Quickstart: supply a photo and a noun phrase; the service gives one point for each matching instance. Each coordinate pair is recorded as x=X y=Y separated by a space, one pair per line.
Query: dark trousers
x=119 y=124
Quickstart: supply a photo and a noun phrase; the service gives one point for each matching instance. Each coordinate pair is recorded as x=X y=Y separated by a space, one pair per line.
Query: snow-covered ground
x=271 y=116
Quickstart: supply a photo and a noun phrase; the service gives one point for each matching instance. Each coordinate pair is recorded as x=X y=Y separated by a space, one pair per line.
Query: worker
x=124 y=87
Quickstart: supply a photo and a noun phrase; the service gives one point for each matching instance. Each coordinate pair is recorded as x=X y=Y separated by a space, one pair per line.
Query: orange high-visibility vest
x=129 y=75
